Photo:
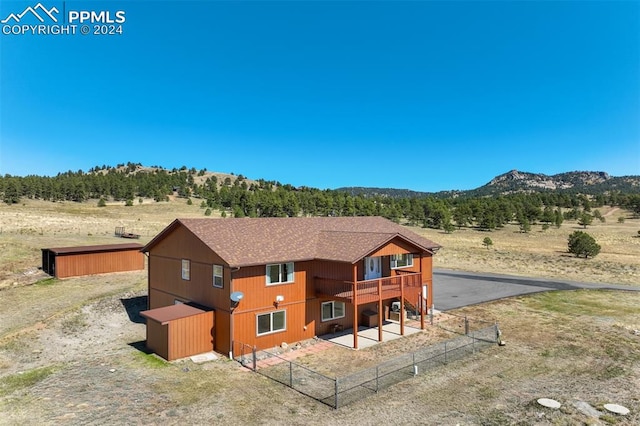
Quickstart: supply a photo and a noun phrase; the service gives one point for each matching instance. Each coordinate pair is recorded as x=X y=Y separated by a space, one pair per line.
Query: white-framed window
x=218 y=280
x=401 y=260
x=186 y=269
x=271 y=322
x=279 y=273
x=332 y=310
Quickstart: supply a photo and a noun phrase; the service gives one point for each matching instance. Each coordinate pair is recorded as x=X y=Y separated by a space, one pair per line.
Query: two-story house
x=272 y=280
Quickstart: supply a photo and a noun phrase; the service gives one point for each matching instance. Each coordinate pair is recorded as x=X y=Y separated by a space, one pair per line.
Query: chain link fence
x=341 y=391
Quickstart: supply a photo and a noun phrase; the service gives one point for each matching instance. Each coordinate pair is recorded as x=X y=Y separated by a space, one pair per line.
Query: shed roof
x=170 y=313
x=257 y=241
x=93 y=249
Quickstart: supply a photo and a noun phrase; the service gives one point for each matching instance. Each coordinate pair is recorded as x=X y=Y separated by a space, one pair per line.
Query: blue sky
x=421 y=95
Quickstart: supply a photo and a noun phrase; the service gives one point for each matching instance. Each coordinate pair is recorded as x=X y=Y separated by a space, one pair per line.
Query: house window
x=401 y=260
x=280 y=273
x=271 y=322
x=332 y=310
x=217 y=276
x=186 y=269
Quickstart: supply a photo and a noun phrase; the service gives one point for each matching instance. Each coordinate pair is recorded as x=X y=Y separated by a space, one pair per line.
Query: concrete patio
x=368 y=336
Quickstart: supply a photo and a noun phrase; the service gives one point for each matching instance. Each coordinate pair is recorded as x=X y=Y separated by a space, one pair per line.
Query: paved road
x=454 y=289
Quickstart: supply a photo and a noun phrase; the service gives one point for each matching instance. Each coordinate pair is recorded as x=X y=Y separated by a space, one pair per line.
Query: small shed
x=64 y=262
x=179 y=331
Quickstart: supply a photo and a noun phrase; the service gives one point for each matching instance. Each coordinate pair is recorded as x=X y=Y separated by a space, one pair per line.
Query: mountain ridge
x=515 y=181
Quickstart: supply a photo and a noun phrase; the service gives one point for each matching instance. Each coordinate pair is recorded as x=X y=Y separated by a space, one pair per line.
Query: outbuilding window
x=279 y=273
x=271 y=322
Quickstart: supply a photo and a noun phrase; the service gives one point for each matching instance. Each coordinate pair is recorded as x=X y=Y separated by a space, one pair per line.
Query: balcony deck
x=369 y=290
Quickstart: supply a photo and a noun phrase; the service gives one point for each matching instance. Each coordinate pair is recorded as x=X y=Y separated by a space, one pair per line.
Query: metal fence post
x=336 y=393
x=466 y=325
x=290 y=374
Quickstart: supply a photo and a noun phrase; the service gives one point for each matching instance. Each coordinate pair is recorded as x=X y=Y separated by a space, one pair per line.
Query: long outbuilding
x=65 y=262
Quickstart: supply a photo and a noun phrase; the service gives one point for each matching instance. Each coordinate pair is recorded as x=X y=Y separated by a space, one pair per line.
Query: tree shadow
x=565 y=254
x=133 y=306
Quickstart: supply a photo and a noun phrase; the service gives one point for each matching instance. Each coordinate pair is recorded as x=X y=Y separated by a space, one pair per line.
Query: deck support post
x=355 y=306
x=402 y=305
x=423 y=297
x=423 y=305
x=380 y=313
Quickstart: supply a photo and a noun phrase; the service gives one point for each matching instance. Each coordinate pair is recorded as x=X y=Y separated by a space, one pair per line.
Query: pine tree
x=582 y=244
x=487 y=242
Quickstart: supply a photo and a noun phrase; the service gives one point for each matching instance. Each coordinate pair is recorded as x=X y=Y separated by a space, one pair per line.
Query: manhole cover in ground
x=549 y=403
x=618 y=409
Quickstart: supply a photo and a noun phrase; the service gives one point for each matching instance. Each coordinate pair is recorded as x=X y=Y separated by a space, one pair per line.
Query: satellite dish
x=236 y=296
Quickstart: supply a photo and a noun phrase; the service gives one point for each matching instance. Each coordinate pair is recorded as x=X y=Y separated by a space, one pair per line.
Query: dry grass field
x=70 y=351
x=544 y=253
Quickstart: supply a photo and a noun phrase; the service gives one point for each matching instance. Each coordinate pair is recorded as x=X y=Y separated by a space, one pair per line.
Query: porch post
x=380 y=313
x=355 y=306
x=422 y=297
x=422 y=309
x=401 y=304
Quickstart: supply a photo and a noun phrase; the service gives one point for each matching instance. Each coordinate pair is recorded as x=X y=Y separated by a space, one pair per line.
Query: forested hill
x=514 y=181
x=235 y=195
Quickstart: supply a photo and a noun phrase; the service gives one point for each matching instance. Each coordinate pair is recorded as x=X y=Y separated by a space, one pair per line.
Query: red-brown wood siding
x=165 y=275
x=158 y=299
x=260 y=298
x=74 y=265
x=252 y=282
x=181 y=337
x=245 y=327
x=191 y=335
x=223 y=332
x=427 y=277
x=158 y=338
x=395 y=246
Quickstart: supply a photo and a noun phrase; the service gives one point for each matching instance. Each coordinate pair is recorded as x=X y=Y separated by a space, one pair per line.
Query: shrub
x=487 y=242
x=102 y=202
x=448 y=227
x=583 y=244
x=585 y=220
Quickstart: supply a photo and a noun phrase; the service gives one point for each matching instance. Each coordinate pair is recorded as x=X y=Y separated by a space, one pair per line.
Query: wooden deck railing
x=368 y=290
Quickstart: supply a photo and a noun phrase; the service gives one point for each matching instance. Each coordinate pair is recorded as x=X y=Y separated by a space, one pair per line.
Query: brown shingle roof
x=243 y=242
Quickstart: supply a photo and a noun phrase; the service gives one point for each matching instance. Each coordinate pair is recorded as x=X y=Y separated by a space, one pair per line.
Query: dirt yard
x=71 y=351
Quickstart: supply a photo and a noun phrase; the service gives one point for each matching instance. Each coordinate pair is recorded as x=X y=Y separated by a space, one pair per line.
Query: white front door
x=372 y=267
